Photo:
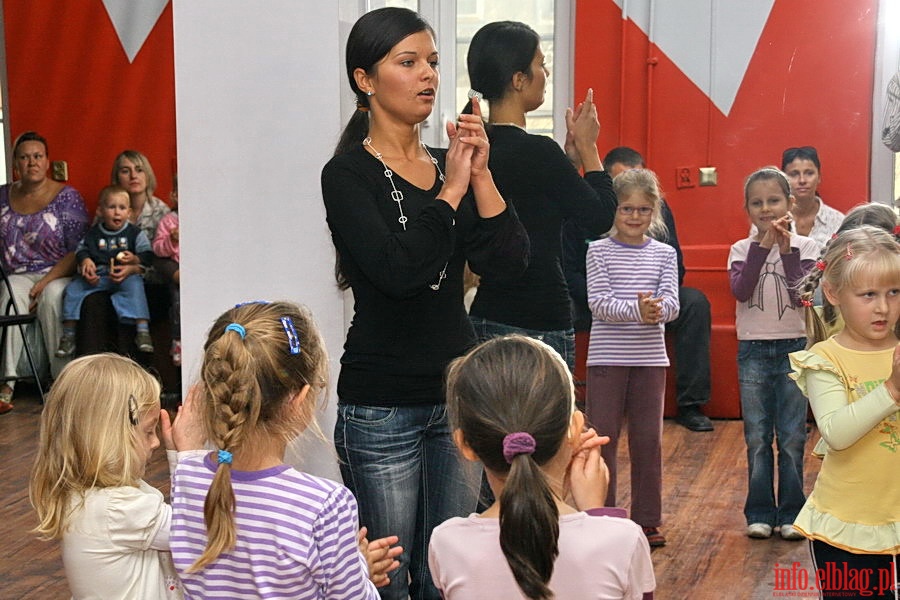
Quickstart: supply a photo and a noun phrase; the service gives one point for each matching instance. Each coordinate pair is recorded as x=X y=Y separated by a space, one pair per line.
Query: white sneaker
x=789 y=533
x=759 y=530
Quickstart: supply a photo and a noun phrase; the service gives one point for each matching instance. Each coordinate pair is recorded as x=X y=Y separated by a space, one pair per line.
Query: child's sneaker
x=66 y=346
x=143 y=341
x=176 y=353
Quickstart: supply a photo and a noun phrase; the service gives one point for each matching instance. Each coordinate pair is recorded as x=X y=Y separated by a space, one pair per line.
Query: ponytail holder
x=225 y=457
x=896 y=229
x=474 y=94
x=821 y=264
x=806 y=302
x=238 y=329
x=361 y=107
x=517 y=443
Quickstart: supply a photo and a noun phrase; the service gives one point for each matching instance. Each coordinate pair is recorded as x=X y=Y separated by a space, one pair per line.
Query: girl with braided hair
x=852 y=380
x=245 y=523
x=530 y=543
x=870 y=213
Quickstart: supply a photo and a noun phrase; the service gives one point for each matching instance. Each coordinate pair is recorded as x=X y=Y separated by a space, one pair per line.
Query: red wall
x=809 y=82
x=70 y=80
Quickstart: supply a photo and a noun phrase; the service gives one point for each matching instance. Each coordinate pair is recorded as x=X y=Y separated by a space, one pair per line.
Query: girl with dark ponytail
x=405 y=219
x=512 y=407
x=506 y=69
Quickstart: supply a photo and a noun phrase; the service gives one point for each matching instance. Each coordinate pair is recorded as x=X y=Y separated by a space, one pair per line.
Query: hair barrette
x=237 y=328
x=834 y=236
x=240 y=304
x=821 y=264
x=475 y=94
x=291 y=332
x=806 y=302
x=225 y=457
x=132 y=410
x=849 y=253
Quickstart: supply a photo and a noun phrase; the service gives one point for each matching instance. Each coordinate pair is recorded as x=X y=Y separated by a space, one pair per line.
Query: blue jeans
x=563 y=340
x=772 y=403
x=408 y=477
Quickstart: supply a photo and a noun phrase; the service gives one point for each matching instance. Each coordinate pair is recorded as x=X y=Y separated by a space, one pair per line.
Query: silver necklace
x=397 y=196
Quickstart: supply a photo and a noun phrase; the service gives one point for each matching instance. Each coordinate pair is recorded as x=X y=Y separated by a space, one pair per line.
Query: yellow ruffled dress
x=855 y=503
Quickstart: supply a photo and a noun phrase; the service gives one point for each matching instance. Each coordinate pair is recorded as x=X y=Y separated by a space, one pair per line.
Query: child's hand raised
x=186 y=432
x=381 y=555
x=587 y=478
x=892 y=383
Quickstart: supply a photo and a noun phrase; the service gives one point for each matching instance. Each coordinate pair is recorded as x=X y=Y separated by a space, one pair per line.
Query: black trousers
x=691 y=331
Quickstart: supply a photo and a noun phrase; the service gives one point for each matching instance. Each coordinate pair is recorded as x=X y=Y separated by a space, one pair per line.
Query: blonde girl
x=98 y=430
x=765 y=270
x=511 y=404
x=632 y=285
x=852 y=380
x=245 y=523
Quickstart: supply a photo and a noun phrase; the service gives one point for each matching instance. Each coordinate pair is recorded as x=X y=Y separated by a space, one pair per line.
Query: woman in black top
x=506 y=68
x=404 y=219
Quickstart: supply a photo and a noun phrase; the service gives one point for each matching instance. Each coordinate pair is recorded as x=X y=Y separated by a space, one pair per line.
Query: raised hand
x=381 y=556
x=471 y=131
x=587 y=477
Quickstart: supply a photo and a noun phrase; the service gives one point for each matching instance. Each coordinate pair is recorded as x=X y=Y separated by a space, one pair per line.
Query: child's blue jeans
x=772 y=405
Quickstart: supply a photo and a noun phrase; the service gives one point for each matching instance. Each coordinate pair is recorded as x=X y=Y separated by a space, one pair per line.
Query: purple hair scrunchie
x=517 y=443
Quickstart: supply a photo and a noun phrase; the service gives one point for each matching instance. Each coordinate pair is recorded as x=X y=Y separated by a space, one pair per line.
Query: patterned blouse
x=35 y=243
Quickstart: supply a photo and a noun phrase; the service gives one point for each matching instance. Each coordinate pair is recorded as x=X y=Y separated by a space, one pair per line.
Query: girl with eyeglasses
x=632 y=286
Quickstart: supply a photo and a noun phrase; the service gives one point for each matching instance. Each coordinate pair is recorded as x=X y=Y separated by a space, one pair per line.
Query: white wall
x=258 y=114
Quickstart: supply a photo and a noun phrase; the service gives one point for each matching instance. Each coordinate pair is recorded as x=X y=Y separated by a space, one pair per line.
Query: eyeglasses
x=630 y=210
x=801 y=152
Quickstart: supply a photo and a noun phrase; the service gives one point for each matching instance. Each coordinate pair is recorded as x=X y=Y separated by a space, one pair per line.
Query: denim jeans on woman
x=771 y=404
x=563 y=340
x=408 y=477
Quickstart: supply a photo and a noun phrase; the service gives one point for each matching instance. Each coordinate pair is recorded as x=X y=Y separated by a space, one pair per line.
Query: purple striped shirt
x=296 y=536
x=616 y=273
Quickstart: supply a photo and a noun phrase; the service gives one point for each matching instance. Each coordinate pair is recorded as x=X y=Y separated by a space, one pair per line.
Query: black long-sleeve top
x=404 y=332
x=534 y=175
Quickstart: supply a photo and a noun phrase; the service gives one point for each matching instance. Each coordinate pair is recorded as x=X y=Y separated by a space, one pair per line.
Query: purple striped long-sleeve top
x=616 y=274
x=296 y=536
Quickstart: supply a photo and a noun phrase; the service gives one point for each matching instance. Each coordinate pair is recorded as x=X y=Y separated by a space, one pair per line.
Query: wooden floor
x=707 y=557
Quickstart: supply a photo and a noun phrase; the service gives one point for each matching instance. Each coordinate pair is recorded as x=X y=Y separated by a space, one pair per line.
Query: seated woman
x=132 y=171
x=41 y=223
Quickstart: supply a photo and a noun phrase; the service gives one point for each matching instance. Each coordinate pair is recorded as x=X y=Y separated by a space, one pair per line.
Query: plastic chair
x=12 y=318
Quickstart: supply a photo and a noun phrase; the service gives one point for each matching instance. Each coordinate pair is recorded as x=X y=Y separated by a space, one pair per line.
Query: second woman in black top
x=506 y=68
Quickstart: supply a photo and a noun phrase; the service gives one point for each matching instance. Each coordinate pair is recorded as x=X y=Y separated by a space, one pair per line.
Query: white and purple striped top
x=296 y=536
x=616 y=273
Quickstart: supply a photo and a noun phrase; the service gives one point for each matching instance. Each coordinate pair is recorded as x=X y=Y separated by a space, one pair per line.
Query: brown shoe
x=654 y=537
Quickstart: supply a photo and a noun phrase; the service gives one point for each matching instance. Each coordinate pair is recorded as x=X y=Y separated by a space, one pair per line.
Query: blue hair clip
x=240 y=304
x=293 y=338
x=238 y=329
x=225 y=457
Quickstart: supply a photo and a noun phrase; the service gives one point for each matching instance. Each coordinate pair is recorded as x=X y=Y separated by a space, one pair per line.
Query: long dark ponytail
x=517 y=385
x=498 y=51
